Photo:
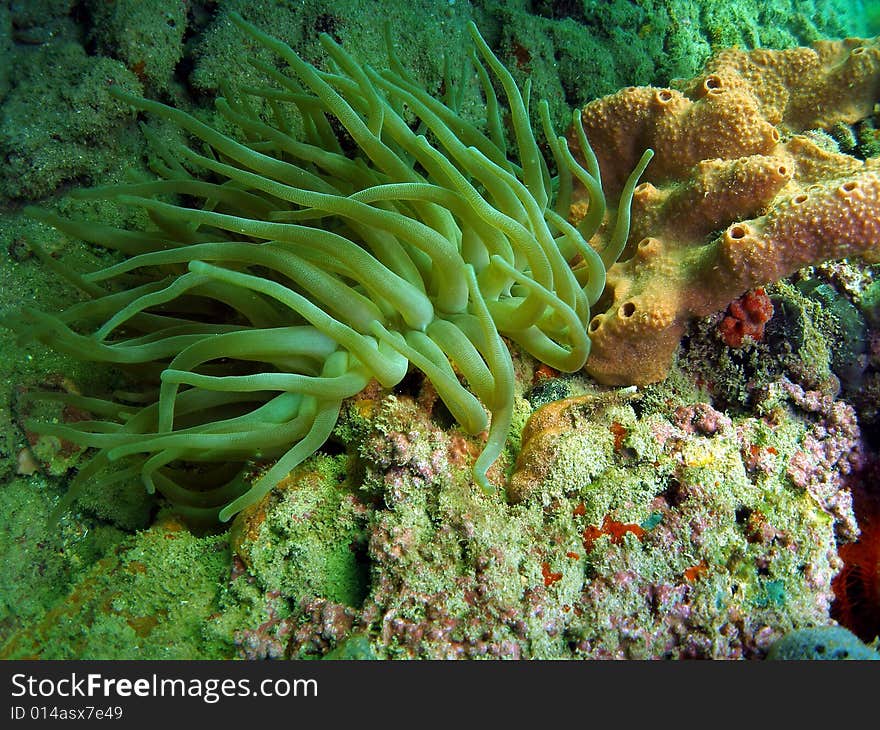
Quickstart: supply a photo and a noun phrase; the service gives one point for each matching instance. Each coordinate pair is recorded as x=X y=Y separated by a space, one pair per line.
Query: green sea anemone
x=284 y=273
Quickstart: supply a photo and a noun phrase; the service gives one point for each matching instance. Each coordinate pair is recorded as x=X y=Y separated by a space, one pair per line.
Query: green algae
x=547 y=391
x=41 y=564
x=5 y=49
x=706 y=478
x=510 y=547
x=303 y=541
x=356 y=647
x=146 y=36
x=77 y=136
x=575 y=52
x=31 y=366
x=150 y=598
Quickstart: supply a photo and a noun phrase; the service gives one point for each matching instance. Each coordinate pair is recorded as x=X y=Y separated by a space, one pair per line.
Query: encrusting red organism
x=614 y=529
x=746 y=317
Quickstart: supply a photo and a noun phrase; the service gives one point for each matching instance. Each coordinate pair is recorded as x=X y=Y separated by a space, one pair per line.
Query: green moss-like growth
x=577 y=51
x=76 y=134
x=431 y=41
x=307 y=539
x=150 y=599
x=146 y=36
x=41 y=561
x=655 y=528
x=355 y=648
x=121 y=503
x=5 y=49
x=459 y=573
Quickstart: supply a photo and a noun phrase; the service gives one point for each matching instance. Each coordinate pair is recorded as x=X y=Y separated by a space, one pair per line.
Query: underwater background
x=727 y=503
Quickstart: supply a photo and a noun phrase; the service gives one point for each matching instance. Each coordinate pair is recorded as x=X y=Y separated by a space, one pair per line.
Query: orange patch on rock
x=615 y=530
x=549 y=577
x=695 y=571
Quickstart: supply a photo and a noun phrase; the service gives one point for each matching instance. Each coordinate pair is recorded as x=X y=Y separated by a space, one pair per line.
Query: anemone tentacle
x=283 y=275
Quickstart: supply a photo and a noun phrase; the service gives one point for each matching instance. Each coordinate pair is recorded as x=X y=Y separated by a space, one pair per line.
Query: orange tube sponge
x=735 y=153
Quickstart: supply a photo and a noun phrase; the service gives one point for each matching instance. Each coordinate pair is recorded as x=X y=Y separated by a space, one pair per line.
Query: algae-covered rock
x=125 y=504
x=677 y=531
x=151 y=598
x=356 y=647
x=146 y=36
x=306 y=538
x=59 y=122
x=41 y=559
x=5 y=49
x=577 y=51
x=42 y=21
x=429 y=37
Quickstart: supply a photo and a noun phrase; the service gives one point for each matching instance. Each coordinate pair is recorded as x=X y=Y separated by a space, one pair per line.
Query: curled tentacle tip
x=482 y=480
